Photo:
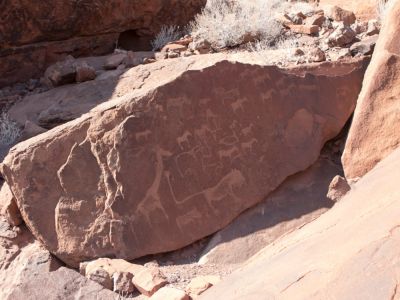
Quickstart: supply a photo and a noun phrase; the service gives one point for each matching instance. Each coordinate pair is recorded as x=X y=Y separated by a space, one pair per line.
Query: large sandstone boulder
x=375 y=130
x=35 y=34
x=166 y=165
x=350 y=252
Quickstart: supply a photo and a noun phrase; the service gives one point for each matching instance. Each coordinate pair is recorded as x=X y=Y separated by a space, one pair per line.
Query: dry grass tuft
x=167 y=34
x=9 y=130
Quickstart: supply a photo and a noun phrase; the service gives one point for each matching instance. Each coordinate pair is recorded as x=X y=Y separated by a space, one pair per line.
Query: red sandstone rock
x=342 y=36
x=61 y=284
x=30 y=31
x=8 y=206
x=305 y=29
x=84 y=72
x=297 y=201
x=350 y=252
x=374 y=133
x=22 y=259
x=339 y=14
x=167 y=164
x=200 y=284
x=338 y=188
x=149 y=280
x=123 y=284
x=169 y=293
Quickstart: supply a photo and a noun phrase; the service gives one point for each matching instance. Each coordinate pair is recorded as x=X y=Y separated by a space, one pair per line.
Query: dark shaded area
x=131 y=41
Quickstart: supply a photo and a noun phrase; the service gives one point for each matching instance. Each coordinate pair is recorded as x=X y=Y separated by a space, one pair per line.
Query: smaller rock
x=169 y=293
x=339 y=54
x=373 y=27
x=202 y=46
x=200 y=284
x=187 y=53
x=148 y=281
x=82 y=268
x=61 y=73
x=112 y=266
x=8 y=206
x=298 y=52
x=134 y=59
x=152 y=264
x=339 y=14
x=102 y=277
x=359 y=27
x=113 y=61
x=173 y=54
x=304 y=29
x=343 y=35
x=296 y=18
x=185 y=41
x=123 y=283
x=174 y=48
x=317 y=55
x=30 y=130
x=84 y=72
x=338 y=188
x=364 y=47
x=284 y=19
x=315 y=20
x=149 y=60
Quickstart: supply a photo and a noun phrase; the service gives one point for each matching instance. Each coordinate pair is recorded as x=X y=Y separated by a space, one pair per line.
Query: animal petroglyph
x=170 y=166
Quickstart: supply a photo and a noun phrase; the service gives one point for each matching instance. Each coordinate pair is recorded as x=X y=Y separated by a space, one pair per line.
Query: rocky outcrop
x=298 y=201
x=350 y=252
x=35 y=35
x=61 y=284
x=374 y=133
x=177 y=159
x=22 y=259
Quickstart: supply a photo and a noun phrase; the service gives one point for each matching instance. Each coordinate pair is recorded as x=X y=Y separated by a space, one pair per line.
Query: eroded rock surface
x=350 y=252
x=22 y=259
x=375 y=133
x=37 y=34
x=61 y=284
x=298 y=200
x=166 y=165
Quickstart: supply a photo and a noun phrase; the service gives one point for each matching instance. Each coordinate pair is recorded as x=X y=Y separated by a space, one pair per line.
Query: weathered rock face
x=61 y=284
x=36 y=34
x=21 y=259
x=375 y=130
x=163 y=167
x=298 y=200
x=350 y=252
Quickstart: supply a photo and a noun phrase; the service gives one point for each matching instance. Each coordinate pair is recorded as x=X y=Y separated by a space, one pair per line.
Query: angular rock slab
x=375 y=132
x=158 y=170
x=350 y=252
x=61 y=284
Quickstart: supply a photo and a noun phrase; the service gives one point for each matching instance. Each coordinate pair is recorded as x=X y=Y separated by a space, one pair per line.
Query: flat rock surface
x=299 y=199
x=350 y=252
x=61 y=284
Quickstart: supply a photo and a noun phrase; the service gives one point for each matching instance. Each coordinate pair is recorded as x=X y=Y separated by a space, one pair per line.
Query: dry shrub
x=230 y=23
x=9 y=130
x=167 y=34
